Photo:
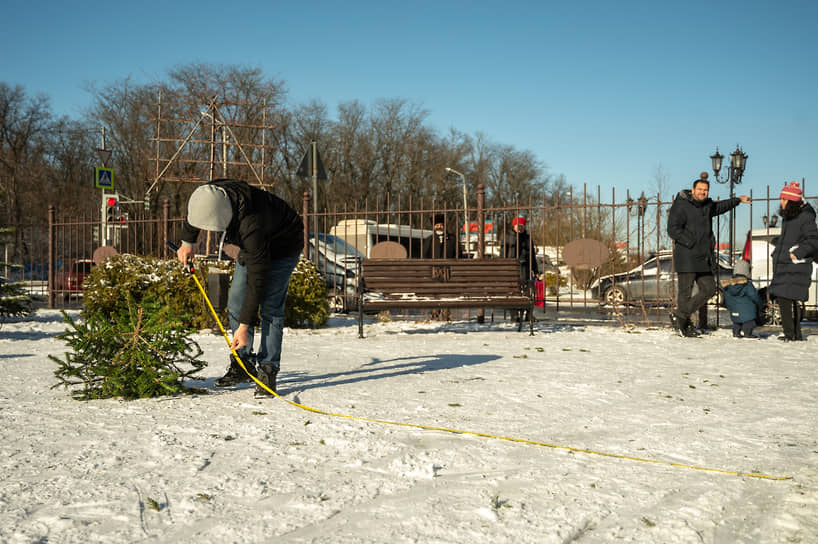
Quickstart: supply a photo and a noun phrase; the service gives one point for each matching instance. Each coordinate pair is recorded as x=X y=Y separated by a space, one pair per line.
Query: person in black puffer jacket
x=690 y=225
x=792 y=259
x=269 y=234
x=519 y=245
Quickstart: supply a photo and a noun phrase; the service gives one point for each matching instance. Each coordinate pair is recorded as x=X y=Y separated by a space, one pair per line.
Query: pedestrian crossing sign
x=104 y=178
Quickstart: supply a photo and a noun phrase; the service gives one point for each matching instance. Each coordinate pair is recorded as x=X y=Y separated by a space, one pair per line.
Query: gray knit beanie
x=741 y=268
x=209 y=208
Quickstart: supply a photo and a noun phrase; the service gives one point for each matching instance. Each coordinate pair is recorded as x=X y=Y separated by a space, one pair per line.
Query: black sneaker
x=689 y=331
x=267 y=375
x=235 y=374
x=676 y=321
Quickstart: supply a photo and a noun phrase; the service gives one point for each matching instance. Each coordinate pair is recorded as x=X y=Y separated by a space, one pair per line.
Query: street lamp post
x=738 y=162
x=465 y=205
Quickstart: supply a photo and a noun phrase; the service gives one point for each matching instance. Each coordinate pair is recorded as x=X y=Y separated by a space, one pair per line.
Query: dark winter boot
x=689 y=330
x=235 y=374
x=798 y=315
x=267 y=375
x=747 y=329
x=677 y=322
x=788 y=319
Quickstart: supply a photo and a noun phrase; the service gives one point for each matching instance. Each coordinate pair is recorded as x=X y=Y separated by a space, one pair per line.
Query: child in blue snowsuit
x=742 y=300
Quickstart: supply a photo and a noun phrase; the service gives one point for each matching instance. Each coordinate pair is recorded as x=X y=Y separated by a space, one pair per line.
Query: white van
x=364 y=234
x=759 y=248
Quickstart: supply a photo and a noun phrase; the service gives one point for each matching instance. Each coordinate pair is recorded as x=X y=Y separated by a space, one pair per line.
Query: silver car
x=653 y=282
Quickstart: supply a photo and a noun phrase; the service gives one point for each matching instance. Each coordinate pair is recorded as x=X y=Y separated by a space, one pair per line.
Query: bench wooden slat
x=441 y=283
x=506 y=286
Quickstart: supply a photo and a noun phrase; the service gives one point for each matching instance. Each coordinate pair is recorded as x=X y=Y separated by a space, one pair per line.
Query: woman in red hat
x=519 y=245
x=792 y=259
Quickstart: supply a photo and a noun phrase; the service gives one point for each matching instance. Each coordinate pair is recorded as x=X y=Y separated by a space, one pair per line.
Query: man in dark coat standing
x=792 y=259
x=690 y=225
x=443 y=244
x=269 y=234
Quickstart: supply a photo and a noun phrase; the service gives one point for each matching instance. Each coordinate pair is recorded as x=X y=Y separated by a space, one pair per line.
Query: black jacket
x=690 y=225
x=792 y=280
x=520 y=246
x=265 y=228
x=441 y=247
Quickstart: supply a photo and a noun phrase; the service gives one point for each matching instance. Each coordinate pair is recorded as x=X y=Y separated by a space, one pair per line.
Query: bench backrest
x=443 y=277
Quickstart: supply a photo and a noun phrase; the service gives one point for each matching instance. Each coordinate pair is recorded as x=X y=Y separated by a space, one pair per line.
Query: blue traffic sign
x=104 y=178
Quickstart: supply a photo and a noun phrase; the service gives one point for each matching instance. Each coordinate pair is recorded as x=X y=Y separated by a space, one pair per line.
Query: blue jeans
x=271 y=309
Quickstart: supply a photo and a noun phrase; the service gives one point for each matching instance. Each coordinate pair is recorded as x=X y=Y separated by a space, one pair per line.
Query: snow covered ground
x=225 y=467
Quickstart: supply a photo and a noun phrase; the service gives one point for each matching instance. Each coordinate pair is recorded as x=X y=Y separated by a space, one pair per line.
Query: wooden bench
x=402 y=284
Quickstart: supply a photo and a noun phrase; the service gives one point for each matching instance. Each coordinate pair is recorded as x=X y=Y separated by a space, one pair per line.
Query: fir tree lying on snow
x=144 y=352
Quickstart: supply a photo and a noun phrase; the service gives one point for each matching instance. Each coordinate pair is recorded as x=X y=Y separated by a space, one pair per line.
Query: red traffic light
x=111 y=201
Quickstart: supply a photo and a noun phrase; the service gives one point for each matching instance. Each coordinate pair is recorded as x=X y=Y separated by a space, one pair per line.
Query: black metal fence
x=634 y=283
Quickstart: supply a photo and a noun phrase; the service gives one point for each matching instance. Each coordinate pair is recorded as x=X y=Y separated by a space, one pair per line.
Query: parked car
x=653 y=282
x=338 y=263
x=70 y=282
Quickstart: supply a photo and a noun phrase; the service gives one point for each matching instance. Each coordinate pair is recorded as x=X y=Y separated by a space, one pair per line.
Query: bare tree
x=72 y=159
x=125 y=110
x=233 y=105
x=351 y=156
x=310 y=122
x=25 y=130
x=663 y=195
x=396 y=125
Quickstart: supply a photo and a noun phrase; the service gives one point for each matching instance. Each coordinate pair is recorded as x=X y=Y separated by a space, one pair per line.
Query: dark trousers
x=744 y=329
x=790 y=318
x=689 y=304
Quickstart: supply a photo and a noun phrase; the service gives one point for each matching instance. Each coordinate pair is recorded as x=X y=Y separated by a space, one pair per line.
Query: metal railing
x=633 y=230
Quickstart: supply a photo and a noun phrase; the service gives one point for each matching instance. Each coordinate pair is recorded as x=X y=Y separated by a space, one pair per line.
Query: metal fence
x=623 y=288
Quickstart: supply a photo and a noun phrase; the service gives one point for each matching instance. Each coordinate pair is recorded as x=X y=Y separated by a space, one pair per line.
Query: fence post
x=305 y=214
x=481 y=236
x=165 y=225
x=52 y=252
x=481 y=220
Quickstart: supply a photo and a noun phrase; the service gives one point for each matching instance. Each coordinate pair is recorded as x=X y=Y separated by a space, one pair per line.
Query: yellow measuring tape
x=473 y=433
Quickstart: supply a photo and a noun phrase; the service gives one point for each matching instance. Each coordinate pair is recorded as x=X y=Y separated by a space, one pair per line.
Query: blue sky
x=602 y=92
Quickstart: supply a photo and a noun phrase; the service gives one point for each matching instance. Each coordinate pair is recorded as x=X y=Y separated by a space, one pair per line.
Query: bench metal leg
x=531 y=321
x=360 y=322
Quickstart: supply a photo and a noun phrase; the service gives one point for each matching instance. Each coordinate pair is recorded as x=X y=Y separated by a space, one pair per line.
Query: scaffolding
x=200 y=142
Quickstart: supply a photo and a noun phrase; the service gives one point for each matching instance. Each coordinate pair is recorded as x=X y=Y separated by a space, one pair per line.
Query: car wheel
x=336 y=303
x=614 y=295
x=771 y=313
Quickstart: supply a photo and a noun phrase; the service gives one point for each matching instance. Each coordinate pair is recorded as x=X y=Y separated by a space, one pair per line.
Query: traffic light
x=111 y=206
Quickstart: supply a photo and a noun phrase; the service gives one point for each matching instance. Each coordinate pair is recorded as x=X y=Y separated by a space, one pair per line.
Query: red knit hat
x=518 y=221
x=792 y=192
